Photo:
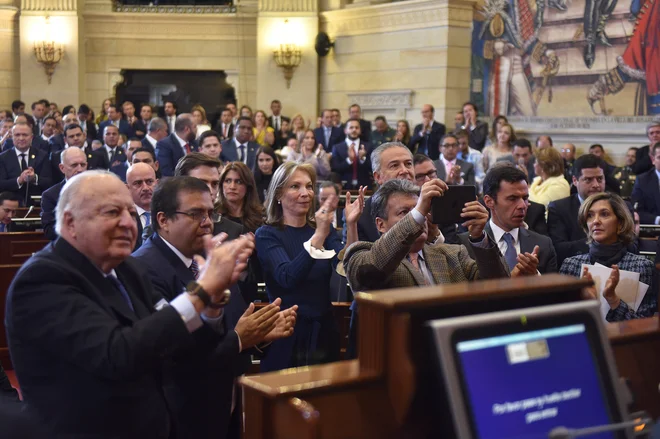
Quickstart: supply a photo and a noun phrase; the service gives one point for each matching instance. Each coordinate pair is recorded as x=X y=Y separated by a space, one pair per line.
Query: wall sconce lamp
x=48 y=52
x=288 y=57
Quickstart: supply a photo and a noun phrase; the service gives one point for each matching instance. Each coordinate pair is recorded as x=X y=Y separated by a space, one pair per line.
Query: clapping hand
x=354 y=209
x=253 y=327
x=527 y=263
x=454 y=175
x=351 y=154
x=610 y=286
x=362 y=153
x=286 y=321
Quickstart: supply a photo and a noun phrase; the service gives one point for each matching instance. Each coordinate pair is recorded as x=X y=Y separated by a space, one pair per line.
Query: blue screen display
x=525 y=384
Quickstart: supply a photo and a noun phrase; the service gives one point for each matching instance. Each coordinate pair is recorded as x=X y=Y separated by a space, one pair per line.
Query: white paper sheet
x=628 y=288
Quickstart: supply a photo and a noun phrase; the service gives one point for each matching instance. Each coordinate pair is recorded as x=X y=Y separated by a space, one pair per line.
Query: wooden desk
x=22 y=211
x=15 y=249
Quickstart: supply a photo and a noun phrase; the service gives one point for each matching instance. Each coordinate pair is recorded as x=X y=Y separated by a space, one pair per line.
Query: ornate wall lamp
x=48 y=52
x=288 y=56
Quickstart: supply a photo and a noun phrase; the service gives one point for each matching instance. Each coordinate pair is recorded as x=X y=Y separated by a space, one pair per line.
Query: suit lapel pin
x=89 y=156
x=32 y=155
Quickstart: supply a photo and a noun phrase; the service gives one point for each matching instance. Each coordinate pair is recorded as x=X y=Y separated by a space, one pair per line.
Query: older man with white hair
x=88 y=335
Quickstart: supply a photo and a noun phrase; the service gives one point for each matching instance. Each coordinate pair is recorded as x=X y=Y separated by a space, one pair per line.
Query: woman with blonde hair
x=103 y=114
x=261 y=132
x=549 y=183
x=298 y=250
x=506 y=135
x=313 y=153
x=297 y=128
x=199 y=116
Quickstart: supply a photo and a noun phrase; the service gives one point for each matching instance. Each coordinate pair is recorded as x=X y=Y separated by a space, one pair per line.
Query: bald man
x=74 y=161
x=427 y=135
x=141 y=181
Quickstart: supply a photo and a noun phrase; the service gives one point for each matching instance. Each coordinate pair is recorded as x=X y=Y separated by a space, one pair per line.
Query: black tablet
x=448 y=208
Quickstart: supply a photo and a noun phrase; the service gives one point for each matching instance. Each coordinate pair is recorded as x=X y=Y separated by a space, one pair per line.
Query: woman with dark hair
x=69 y=109
x=606 y=220
x=495 y=127
x=298 y=250
x=267 y=164
x=238 y=199
x=402 y=132
x=312 y=152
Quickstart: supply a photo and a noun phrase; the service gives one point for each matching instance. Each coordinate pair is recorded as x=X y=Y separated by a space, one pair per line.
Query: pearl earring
x=279 y=201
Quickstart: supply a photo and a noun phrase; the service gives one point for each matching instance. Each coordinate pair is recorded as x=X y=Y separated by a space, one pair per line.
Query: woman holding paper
x=609 y=226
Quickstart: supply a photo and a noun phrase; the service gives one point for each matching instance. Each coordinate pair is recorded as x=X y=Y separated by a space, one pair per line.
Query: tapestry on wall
x=559 y=58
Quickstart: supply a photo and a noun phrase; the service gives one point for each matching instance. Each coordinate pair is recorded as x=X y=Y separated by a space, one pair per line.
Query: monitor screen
x=522 y=384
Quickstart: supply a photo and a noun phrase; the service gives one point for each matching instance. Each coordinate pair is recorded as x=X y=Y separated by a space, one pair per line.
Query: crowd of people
x=163 y=228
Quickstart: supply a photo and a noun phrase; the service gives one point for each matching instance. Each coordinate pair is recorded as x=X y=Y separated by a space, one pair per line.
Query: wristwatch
x=476 y=239
x=195 y=289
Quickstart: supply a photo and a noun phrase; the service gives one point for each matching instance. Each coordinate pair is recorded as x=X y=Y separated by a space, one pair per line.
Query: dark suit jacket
x=646 y=193
x=95 y=160
x=230 y=131
x=528 y=239
x=478 y=136
x=37 y=143
x=168 y=154
x=92 y=367
x=91 y=131
x=339 y=165
x=535 y=218
x=124 y=128
x=10 y=170
x=643 y=161
x=199 y=389
x=147 y=144
x=467 y=171
x=567 y=236
x=336 y=136
x=365 y=131
x=428 y=144
x=271 y=123
x=232 y=229
x=230 y=152
x=56 y=143
x=138 y=126
x=117 y=162
x=49 y=200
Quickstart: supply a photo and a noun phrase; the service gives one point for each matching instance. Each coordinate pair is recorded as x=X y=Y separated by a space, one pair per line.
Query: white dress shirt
x=498 y=233
x=182 y=143
x=170 y=122
x=110 y=152
x=27 y=160
x=238 y=150
x=143 y=220
x=151 y=140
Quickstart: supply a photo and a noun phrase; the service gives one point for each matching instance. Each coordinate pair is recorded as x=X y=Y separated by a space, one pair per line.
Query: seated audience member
x=477 y=129
x=267 y=164
x=115 y=119
x=402 y=133
x=113 y=150
x=549 y=184
x=262 y=133
x=94 y=366
x=298 y=251
x=502 y=149
x=327 y=134
x=58 y=142
x=459 y=122
x=241 y=148
x=225 y=126
x=427 y=135
x=313 y=153
x=568 y=154
x=425 y=170
x=383 y=133
x=472 y=156
x=625 y=176
x=498 y=121
x=388 y=161
x=48 y=129
x=210 y=144
x=543 y=142
x=292 y=145
x=646 y=192
x=131 y=145
x=141 y=181
x=607 y=222
x=207 y=169
x=74 y=161
x=5 y=134
x=37 y=142
x=326 y=190
x=181 y=142
x=24 y=170
x=644 y=159
x=598 y=150
x=147 y=156
x=566 y=233
x=199 y=116
x=74 y=137
x=156 y=131
x=401 y=257
x=8 y=206
x=350 y=159
x=523 y=158
x=201 y=390
x=451 y=169
x=506 y=195
x=238 y=199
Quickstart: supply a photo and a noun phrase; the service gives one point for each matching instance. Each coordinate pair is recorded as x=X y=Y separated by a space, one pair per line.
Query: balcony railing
x=176 y=6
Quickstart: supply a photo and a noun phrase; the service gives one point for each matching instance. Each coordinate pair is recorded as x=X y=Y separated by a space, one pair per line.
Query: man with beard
x=141 y=180
x=181 y=142
x=350 y=159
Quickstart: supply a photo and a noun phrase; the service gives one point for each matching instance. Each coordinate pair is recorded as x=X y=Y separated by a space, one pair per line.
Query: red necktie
x=355 y=163
x=187 y=148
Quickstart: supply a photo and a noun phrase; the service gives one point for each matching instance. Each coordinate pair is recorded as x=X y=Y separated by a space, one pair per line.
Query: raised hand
x=362 y=153
x=476 y=217
x=590 y=291
x=284 y=326
x=354 y=209
x=610 y=286
x=351 y=154
x=454 y=175
x=253 y=327
x=430 y=189
x=223 y=264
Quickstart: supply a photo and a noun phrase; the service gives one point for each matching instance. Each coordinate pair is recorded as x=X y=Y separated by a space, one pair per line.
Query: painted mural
x=559 y=58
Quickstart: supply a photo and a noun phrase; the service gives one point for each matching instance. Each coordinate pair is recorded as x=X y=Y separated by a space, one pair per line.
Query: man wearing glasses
x=451 y=169
x=8 y=206
x=141 y=180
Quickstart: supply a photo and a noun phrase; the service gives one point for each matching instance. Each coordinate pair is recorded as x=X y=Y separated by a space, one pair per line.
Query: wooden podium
x=385 y=393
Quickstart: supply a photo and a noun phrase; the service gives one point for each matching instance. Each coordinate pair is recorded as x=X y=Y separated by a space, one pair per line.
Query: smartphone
x=448 y=208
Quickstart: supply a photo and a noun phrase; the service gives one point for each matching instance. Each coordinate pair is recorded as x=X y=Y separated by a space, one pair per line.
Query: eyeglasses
x=201 y=216
x=431 y=175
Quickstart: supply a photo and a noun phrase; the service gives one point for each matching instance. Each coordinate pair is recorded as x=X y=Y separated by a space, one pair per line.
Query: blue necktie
x=118 y=285
x=147 y=218
x=242 y=156
x=2 y=227
x=510 y=256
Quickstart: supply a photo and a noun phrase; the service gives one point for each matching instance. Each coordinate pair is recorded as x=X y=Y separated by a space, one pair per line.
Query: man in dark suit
x=181 y=142
x=200 y=392
x=37 y=141
x=38 y=114
x=427 y=135
x=86 y=123
x=350 y=159
x=75 y=138
x=8 y=206
x=156 y=131
x=93 y=367
x=225 y=126
x=276 y=119
x=169 y=108
x=646 y=191
x=567 y=236
x=114 y=152
x=240 y=148
x=643 y=162
x=141 y=181
x=460 y=172
x=74 y=161
x=355 y=112
x=506 y=195
x=115 y=119
x=327 y=134
x=24 y=170
x=478 y=130
x=206 y=169
x=137 y=127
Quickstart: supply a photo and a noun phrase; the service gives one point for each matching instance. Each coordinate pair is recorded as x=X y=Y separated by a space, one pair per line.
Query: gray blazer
x=467 y=171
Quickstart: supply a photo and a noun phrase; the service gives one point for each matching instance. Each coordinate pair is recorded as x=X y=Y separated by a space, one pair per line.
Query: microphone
x=29 y=211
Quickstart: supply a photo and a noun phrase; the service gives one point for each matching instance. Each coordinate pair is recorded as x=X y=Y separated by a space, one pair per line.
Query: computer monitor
x=522 y=373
